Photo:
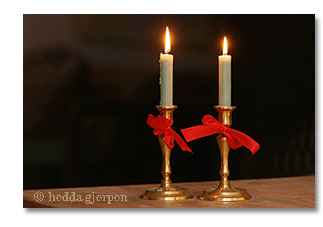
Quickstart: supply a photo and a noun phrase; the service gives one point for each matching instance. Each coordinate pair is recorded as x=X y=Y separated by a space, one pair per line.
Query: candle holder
x=224 y=192
x=166 y=191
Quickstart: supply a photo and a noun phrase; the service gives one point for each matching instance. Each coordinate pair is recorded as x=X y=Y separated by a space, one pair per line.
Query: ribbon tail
x=232 y=142
x=180 y=141
x=199 y=131
x=168 y=140
x=240 y=139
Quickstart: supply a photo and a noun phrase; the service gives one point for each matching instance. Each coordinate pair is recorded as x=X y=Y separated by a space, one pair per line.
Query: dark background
x=91 y=80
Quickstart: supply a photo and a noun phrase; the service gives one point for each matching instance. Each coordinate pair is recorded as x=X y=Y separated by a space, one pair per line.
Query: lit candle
x=225 y=76
x=166 y=74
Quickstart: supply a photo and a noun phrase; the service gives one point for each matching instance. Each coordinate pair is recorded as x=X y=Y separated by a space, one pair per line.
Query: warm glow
x=167 y=41
x=225 y=46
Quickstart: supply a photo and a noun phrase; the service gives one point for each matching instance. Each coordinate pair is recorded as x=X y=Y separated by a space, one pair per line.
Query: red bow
x=211 y=126
x=161 y=125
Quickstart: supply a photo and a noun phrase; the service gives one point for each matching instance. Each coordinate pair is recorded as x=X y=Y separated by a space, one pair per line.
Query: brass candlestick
x=166 y=191
x=224 y=192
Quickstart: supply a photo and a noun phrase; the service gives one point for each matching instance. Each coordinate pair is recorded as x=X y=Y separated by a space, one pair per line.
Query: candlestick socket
x=166 y=111
x=225 y=114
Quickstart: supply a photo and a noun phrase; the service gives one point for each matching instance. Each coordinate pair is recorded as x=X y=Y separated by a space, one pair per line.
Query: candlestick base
x=224 y=194
x=166 y=191
x=159 y=193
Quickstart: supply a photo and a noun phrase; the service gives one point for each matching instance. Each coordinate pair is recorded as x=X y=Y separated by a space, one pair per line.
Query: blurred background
x=91 y=80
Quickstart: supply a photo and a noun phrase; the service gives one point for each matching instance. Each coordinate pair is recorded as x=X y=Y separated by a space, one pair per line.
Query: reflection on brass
x=166 y=191
x=224 y=192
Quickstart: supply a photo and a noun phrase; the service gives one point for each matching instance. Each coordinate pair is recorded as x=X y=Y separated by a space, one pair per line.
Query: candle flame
x=225 y=46
x=167 y=41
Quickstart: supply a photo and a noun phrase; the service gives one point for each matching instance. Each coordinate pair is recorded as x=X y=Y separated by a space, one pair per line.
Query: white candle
x=225 y=76
x=166 y=74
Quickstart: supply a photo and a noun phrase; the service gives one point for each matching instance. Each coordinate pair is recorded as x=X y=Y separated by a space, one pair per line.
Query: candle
x=166 y=74
x=225 y=76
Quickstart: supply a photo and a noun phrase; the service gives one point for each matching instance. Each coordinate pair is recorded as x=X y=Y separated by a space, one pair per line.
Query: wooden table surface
x=292 y=192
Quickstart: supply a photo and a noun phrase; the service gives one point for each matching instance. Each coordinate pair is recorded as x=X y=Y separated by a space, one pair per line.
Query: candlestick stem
x=224 y=170
x=166 y=191
x=224 y=192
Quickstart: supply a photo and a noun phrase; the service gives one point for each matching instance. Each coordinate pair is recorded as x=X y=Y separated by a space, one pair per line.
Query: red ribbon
x=211 y=126
x=161 y=125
